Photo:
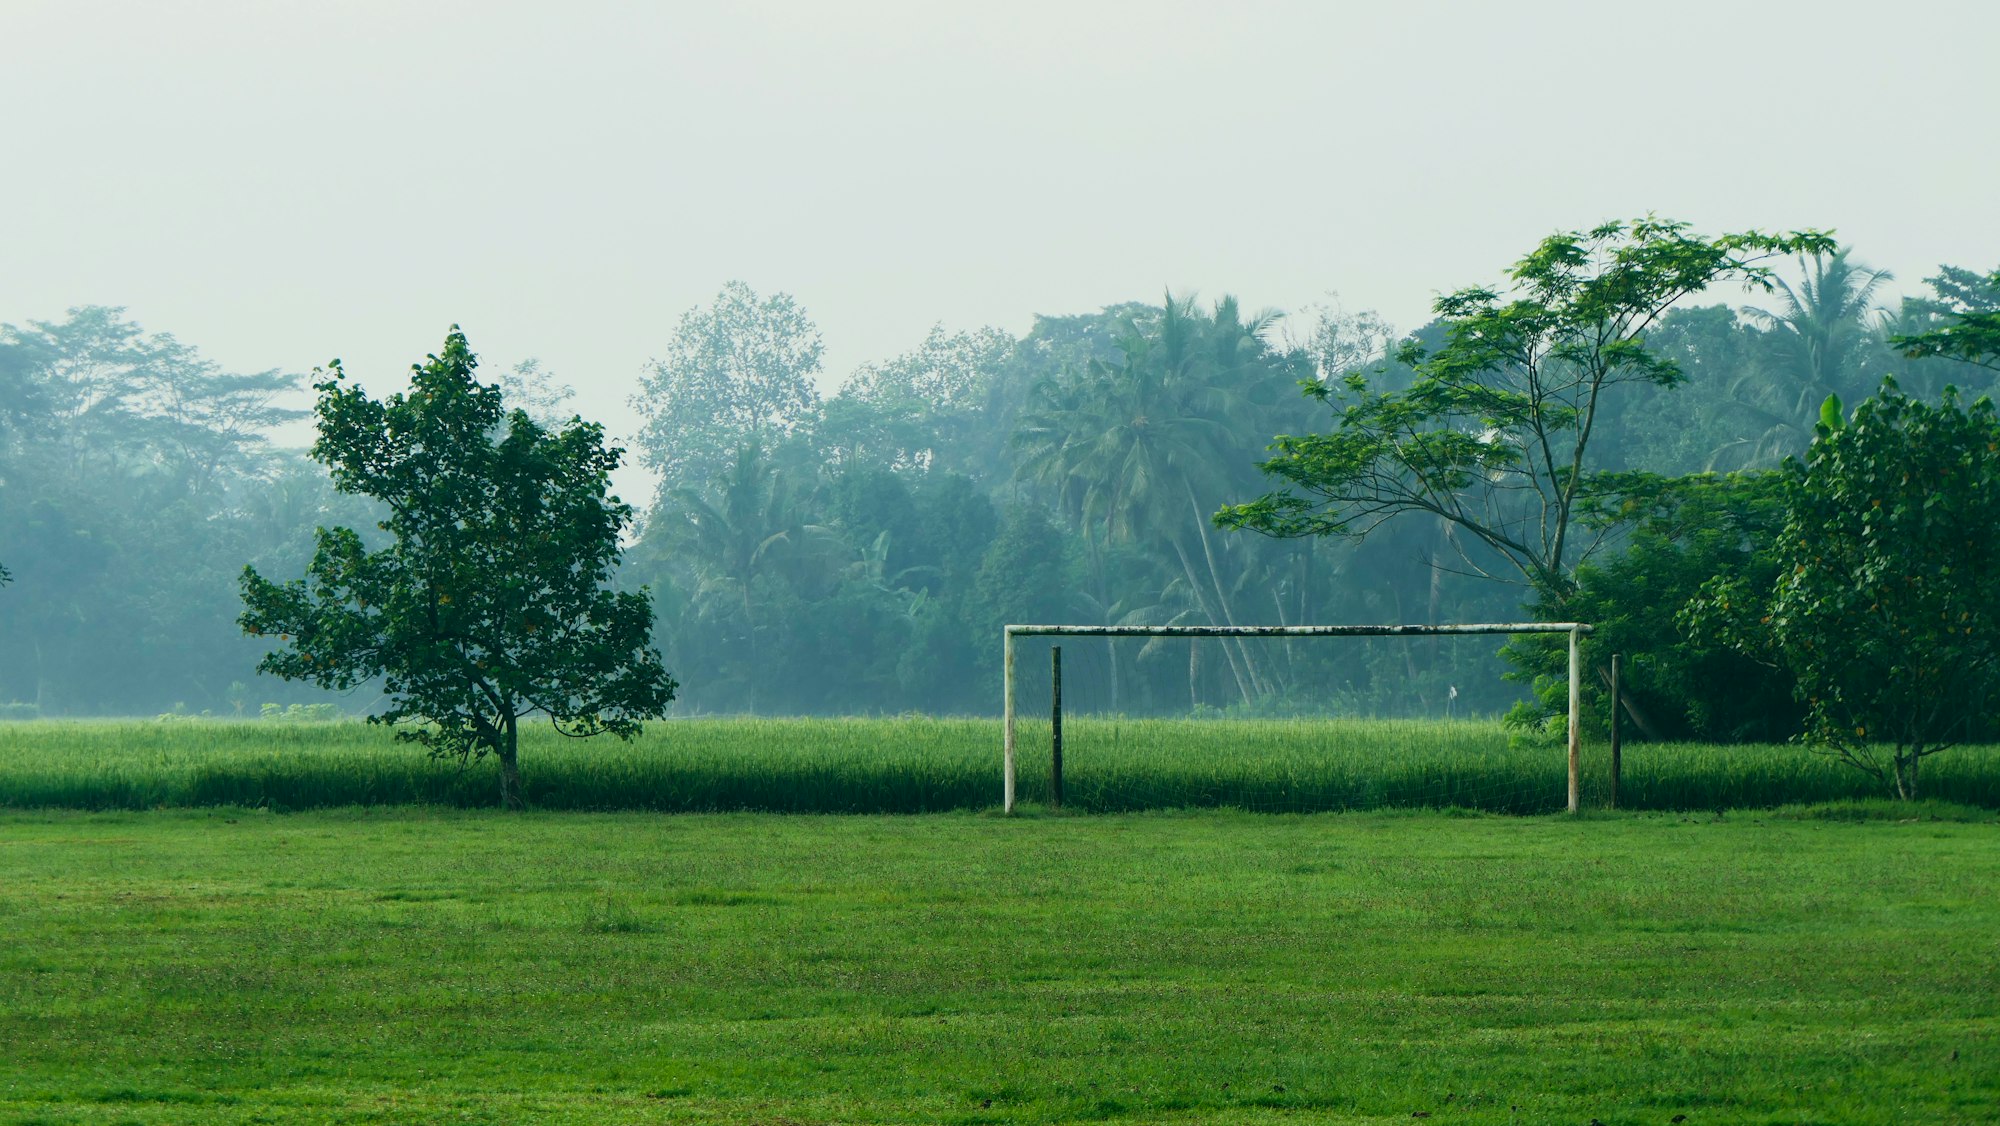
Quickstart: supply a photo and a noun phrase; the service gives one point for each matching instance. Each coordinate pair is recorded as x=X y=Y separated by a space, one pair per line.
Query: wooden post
x=1617 y=701
x=1007 y=709
x=1575 y=722
x=1055 y=727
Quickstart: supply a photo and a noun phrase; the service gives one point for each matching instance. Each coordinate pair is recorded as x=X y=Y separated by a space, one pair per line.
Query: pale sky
x=282 y=183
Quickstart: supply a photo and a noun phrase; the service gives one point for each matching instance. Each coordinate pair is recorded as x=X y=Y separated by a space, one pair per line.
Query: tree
x=1970 y=308
x=730 y=534
x=1494 y=435
x=1886 y=607
x=1720 y=418
x=491 y=602
x=527 y=386
x=1144 y=448
x=1822 y=331
x=127 y=462
x=921 y=410
x=1822 y=339
x=1685 y=531
x=16 y=401
x=1025 y=576
x=737 y=373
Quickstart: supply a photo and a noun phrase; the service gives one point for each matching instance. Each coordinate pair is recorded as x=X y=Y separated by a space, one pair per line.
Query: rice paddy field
x=919 y=765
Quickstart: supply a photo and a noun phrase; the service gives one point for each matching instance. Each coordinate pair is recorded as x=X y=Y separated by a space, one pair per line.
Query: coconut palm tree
x=732 y=533
x=1142 y=449
x=1821 y=340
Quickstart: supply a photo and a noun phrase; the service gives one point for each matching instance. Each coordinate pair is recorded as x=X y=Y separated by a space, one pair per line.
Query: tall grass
x=916 y=764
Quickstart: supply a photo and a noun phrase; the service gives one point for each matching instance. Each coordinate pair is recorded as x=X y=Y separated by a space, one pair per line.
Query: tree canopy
x=738 y=372
x=857 y=559
x=1970 y=308
x=490 y=601
x=1494 y=435
x=1886 y=607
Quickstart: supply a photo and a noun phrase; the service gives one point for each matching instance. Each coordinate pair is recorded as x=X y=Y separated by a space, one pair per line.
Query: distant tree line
x=859 y=552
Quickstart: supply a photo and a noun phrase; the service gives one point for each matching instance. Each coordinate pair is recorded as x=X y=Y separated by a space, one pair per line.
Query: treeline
x=859 y=552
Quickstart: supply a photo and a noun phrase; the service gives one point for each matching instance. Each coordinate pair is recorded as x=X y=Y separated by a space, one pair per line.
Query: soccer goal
x=1575 y=631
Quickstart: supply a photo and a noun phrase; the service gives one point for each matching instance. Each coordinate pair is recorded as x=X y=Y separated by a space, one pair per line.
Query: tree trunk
x=1640 y=718
x=1111 y=657
x=750 y=635
x=510 y=766
x=41 y=682
x=1437 y=586
x=1104 y=603
x=1906 y=775
x=1290 y=663
x=1222 y=599
x=1200 y=596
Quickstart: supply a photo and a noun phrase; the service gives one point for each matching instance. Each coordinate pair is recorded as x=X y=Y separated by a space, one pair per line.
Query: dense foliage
x=866 y=562
x=1886 y=604
x=490 y=602
x=1676 y=684
x=857 y=549
x=136 y=477
x=1495 y=436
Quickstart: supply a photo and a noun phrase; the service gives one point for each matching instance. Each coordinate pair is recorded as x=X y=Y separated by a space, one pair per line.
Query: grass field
x=443 y=966
x=914 y=765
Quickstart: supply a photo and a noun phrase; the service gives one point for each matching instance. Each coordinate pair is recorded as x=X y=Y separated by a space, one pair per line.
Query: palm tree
x=1820 y=341
x=1143 y=449
x=1820 y=337
x=730 y=534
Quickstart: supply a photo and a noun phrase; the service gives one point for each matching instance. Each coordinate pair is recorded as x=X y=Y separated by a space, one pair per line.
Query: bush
x=1678 y=684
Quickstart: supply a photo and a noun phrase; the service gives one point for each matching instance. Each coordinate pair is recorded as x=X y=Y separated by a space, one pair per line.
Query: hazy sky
x=283 y=183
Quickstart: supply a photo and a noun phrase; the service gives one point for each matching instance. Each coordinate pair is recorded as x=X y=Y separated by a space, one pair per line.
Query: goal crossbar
x=1575 y=630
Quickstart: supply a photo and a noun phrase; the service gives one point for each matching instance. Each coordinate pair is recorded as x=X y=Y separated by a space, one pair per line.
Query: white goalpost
x=1575 y=630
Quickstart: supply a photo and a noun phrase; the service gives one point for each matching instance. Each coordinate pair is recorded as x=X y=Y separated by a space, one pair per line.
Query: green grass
x=914 y=765
x=429 y=966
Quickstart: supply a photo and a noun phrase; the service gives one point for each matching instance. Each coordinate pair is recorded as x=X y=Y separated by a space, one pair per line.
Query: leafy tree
x=1970 y=308
x=1887 y=604
x=739 y=372
x=1686 y=531
x=1025 y=576
x=1495 y=434
x=16 y=403
x=490 y=604
x=1719 y=418
x=1758 y=376
x=920 y=410
x=112 y=397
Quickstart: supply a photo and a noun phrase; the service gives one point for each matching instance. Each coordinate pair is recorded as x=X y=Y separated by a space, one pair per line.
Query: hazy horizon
x=282 y=185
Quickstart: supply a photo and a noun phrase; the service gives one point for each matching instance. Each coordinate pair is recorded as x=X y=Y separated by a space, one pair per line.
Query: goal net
x=1071 y=740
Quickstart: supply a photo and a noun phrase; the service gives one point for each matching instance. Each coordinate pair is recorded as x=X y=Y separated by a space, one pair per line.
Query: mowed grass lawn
x=449 y=966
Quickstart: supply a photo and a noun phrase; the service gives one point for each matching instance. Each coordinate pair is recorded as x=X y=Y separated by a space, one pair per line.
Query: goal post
x=1575 y=630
